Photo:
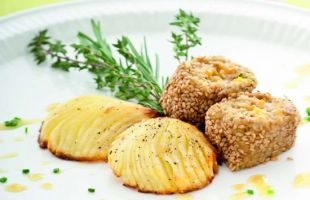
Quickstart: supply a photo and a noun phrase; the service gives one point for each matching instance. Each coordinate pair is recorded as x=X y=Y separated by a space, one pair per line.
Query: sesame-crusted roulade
x=252 y=128
x=202 y=82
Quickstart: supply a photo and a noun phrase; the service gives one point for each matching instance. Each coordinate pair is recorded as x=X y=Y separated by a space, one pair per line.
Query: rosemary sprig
x=187 y=37
x=129 y=76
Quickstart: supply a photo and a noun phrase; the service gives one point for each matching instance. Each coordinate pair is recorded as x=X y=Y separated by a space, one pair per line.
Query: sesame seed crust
x=202 y=82
x=252 y=128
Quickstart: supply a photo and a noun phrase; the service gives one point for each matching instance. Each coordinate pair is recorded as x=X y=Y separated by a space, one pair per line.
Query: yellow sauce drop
x=239 y=186
x=239 y=196
x=23 y=122
x=293 y=83
x=15 y=187
x=302 y=72
x=302 y=180
x=3 y=171
x=256 y=179
x=8 y=155
x=45 y=163
x=35 y=177
x=46 y=186
x=184 y=197
x=259 y=182
x=19 y=138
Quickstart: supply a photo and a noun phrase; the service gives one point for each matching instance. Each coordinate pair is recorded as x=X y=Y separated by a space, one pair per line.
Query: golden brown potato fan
x=163 y=155
x=84 y=128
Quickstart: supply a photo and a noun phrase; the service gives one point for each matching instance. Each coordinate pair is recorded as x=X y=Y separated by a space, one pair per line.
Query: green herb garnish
x=91 y=190
x=26 y=171
x=130 y=75
x=187 y=37
x=307 y=118
x=270 y=192
x=308 y=111
x=56 y=171
x=13 y=122
x=250 y=192
x=3 y=179
x=26 y=130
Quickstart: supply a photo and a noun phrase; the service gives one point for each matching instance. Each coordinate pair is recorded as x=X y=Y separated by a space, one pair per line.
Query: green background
x=11 y=6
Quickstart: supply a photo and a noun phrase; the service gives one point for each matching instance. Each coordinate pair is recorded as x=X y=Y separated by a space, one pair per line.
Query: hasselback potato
x=84 y=127
x=163 y=155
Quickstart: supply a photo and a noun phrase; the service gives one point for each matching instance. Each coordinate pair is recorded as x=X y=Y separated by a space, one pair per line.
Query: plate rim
x=55 y=5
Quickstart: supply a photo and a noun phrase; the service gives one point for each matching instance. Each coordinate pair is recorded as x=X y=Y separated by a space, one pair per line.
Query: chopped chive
x=26 y=171
x=308 y=111
x=270 y=192
x=307 y=119
x=56 y=170
x=91 y=190
x=3 y=179
x=26 y=130
x=13 y=122
x=250 y=192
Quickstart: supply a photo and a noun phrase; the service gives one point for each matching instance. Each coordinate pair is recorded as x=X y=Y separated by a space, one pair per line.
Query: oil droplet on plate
x=3 y=170
x=46 y=186
x=239 y=196
x=255 y=183
x=256 y=179
x=15 y=187
x=239 y=186
x=8 y=155
x=301 y=74
x=184 y=197
x=293 y=83
x=35 y=177
x=45 y=163
x=260 y=183
x=19 y=138
x=302 y=180
x=303 y=70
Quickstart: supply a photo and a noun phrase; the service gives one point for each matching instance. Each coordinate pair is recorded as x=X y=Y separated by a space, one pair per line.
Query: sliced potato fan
x=163 y=155
x=84 y=128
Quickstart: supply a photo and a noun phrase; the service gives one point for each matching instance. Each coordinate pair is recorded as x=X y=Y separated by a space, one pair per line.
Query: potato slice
x=164 y=156
x=84 y=127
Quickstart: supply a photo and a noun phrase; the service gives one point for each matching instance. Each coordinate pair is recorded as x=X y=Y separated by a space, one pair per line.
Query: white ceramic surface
x=269 y=38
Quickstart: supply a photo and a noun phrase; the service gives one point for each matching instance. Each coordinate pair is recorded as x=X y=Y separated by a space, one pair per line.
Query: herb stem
x=130 y=76
x=187 y=37
x=155 y=95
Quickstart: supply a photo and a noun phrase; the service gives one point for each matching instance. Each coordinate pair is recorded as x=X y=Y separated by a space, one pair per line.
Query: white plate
x=269 y=38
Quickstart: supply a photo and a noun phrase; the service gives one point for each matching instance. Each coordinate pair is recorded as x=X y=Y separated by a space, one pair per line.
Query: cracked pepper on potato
x=164 y=156
x=84 y=127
